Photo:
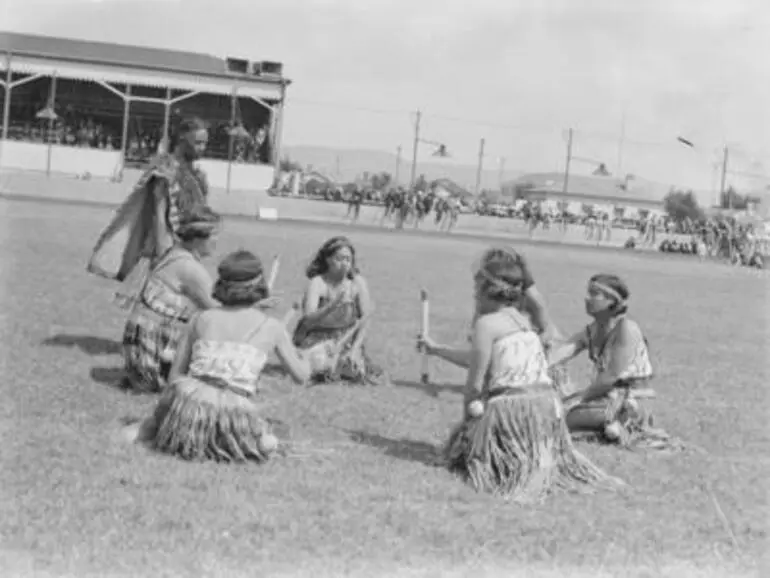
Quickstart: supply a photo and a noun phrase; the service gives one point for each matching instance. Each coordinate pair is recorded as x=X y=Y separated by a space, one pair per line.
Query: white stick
x=425 y=329
x=273 y=272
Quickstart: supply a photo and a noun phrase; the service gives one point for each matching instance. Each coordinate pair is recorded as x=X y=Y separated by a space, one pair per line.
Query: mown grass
x=364 y=499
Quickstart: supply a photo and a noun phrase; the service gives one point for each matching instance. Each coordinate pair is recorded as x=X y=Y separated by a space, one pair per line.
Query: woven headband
x=608 y=291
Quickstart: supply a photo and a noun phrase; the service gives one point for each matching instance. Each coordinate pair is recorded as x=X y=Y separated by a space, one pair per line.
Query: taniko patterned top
x=233 y=364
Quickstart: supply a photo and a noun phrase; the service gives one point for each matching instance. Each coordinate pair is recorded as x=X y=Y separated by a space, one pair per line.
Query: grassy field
x=364 y=500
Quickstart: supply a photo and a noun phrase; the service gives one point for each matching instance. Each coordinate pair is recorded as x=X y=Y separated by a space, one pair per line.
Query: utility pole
x=480 y=167
x=398 y=164
x=724 y=179
x=416 y=144
x=621 y=142
x=337 y=167
x=502 y=173
x=565 y=190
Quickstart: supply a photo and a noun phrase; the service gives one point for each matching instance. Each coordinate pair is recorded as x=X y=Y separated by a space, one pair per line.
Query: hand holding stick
x=271 y=300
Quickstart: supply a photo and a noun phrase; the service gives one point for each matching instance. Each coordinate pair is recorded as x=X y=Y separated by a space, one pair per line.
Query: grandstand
x=70 y=106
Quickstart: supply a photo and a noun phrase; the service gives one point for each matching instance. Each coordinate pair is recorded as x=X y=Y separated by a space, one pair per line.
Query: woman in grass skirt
x=616 y=406
x=176 y=287
x=513 y=439
x=211 y=410
x=534 y=306
x=336 y=311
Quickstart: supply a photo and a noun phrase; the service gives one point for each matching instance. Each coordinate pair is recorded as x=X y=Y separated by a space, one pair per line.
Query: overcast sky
x=696 y=68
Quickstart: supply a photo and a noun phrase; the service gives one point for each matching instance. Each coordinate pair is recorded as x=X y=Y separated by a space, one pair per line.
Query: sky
x=517 y=73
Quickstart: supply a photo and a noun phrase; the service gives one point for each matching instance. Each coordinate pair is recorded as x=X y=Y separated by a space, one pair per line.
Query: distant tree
x=381 y=181
x=680 y=205
x=288 y=165
x=731 y=199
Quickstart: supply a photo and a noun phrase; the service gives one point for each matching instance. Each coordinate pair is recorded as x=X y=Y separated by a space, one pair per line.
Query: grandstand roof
x=68 y=49
x=584 y=187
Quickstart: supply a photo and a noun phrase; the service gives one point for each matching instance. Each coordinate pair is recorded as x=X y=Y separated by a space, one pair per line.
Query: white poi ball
x=475 y=408
x=268 y=443
x=613 y=430
x=632 y=404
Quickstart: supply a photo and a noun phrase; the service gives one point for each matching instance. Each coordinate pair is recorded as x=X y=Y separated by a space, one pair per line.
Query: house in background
x=604 y=193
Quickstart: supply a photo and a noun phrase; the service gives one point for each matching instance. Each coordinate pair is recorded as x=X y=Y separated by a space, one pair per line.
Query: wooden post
x=724 y=181
x=565 y=189
x=415 y=146
x=398 y=165
x=124 y=135
x=166 y=118
x=230 y=139
x=6 y=104
x=51 y=104
x=277 y=136
x=479 y=168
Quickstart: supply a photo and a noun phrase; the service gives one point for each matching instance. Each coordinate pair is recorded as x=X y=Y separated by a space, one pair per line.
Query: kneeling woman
x=211 y=409
x=336 y=312
x=176 y=287
x=615 y=406
x=513 y=440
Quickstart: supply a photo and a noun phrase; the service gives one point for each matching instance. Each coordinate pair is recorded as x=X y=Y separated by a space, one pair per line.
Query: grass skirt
x=520 y=448
x=630 y=412
x=200 y=421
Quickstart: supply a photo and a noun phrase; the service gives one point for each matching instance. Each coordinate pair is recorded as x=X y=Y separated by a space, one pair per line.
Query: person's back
x=232 y=346
x=518 y=358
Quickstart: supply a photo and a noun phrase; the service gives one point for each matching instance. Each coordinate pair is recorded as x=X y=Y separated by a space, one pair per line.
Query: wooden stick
x=424 y=330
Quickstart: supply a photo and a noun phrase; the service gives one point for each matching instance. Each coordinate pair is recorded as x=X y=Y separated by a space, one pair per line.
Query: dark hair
x=618 y=286
x=241 y=280
x=199 y=223
x=319 y=265
x=501 y=276
x=184 y=127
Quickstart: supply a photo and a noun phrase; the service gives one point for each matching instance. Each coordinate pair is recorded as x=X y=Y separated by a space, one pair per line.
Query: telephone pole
x=565 y=190
x=480 y=167
x=416 y=144
x=724 y=181
x=398 y=164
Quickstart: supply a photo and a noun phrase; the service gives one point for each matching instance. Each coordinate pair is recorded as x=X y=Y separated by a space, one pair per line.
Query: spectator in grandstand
x=613 y=407
x=336 y=312
x=513 y=439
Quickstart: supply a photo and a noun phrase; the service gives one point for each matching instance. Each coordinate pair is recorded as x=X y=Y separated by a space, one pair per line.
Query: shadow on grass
x=112 y=376
x=430 y=389
x=86 y=343
x=403 y=449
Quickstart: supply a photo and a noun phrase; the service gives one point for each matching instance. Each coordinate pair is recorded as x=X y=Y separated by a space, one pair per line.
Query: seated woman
x=534 y=306
x=176 y=287
x=614 y=406
x=211 y=410
x=336 y=312
x=513 y=439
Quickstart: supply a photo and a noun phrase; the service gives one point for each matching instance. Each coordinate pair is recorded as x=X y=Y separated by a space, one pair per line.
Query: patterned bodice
x=640 y=366
x=237 y=365
x=518 y=360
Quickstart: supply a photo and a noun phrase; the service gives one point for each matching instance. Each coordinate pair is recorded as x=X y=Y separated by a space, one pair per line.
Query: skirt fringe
x=634 y=424
x=520 y=448
x=198 y=421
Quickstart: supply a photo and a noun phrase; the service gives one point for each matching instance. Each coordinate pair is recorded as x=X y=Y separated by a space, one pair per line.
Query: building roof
x=49 y=47
x=594 y=187
x=452 y=188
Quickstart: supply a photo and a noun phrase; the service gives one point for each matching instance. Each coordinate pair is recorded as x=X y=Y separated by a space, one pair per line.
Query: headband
x=608 y=291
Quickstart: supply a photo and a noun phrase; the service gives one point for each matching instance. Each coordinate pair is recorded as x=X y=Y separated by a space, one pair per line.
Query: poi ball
x=632 y=404
x=475 y=408
x=268 y=443
x=613 y=430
